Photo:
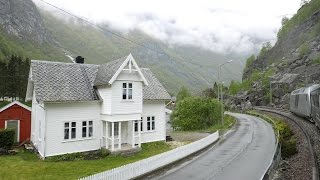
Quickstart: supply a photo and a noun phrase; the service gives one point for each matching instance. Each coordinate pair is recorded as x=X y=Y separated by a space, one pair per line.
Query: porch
x=121 y=135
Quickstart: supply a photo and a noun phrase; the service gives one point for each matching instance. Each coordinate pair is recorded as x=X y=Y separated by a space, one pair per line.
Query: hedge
x=6 y=138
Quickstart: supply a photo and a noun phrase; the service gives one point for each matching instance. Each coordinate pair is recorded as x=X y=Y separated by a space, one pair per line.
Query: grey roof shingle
x=155 y=90
x=56 y=81
x=107 y=70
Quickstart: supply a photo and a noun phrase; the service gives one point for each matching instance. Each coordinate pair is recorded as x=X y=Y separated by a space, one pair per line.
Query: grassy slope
x=27 y=165
x=169 y=66
x=12 y=45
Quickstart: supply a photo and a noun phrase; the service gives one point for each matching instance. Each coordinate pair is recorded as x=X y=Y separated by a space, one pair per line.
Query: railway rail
x=310 y=132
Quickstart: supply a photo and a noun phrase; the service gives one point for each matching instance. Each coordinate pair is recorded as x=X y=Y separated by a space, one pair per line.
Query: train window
x=315 y=98
x=296 y=102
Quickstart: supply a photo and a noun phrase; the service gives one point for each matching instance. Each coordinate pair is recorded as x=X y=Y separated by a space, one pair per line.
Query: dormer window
x=127 y=91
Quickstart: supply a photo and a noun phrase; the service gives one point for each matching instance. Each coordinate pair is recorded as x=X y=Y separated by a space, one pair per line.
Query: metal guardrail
x=315 y=168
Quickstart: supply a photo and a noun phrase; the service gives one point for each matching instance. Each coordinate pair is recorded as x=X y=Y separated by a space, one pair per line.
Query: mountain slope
x=52 y=38
x=294 y=60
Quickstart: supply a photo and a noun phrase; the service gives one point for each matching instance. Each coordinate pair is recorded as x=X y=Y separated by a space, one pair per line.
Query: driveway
x=245 y=154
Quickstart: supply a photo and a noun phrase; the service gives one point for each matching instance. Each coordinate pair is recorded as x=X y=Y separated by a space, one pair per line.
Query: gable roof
x=155 y=90
x=107 y=70
x=17 y=103
x=57 y=81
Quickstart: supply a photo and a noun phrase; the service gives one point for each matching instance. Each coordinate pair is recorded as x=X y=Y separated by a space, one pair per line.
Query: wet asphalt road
x=244 y=155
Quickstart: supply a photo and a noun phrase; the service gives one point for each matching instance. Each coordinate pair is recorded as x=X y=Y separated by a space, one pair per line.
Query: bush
x=304 y=49
x=195 y=113
x=98 y=154
x=6 y=138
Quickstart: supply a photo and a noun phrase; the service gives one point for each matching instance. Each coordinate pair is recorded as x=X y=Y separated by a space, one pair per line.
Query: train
x=304 y=102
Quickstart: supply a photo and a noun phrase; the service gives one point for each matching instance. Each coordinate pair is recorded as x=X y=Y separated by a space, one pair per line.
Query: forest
x=14 y=71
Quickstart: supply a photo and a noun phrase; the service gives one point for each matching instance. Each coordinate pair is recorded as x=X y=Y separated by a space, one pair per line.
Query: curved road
x=245 y=154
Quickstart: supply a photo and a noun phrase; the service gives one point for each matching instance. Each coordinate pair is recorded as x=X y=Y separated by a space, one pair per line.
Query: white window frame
x=70 y=130
x=18 y=135
x=151 y=121
x=87 y=126
x=127 y=89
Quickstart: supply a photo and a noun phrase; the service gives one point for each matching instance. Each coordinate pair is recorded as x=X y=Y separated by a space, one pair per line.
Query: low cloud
x=221 y=26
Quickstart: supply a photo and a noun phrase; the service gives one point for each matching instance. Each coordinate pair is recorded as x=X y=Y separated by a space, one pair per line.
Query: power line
x=132 y=41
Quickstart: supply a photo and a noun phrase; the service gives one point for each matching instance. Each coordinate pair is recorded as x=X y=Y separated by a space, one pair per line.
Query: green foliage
x=235 y=87
x=316 y=61
x=182 y=94
x=303 y=14
x=286 y=136
x=4 y=103
x=14 y=74
x=31 y=166
x=209 y=93
x=265 y=48
x=195 y=113
x=250 y=61
x=304 y=49
x=228 y=122
x=14 y=46
x=6 y=138
x=102 y=153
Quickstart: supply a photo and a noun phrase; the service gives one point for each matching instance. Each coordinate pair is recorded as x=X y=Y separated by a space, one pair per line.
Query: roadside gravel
x=298 y=166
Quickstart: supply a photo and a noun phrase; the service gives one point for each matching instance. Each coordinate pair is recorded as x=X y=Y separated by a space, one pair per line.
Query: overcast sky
x=218 y=25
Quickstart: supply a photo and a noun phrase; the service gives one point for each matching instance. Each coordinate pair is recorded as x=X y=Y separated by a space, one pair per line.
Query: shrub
x=195 y=113
x=304 y=49
x=6 y=138
x=90 y=155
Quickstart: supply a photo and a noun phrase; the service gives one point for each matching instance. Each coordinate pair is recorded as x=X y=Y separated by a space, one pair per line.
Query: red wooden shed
x=17 y=116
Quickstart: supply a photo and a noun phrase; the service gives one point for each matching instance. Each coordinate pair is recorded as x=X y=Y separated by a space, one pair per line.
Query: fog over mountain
x=227 y=26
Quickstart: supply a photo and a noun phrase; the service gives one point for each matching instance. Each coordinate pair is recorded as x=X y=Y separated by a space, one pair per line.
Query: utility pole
x=220 y=84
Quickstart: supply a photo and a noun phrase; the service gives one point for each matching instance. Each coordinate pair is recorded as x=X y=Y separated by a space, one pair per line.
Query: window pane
x=152 y=117
x=90 y=123
x=66 y=133
x=130 y=85
x=148 y=118
x=66 y=125
x=84 y=132
x=90 y=131
x=152 y=125
x=124 y=85
x=130 y=94
x=124 y=94
x=73 y=133
x=136 y=126
x=84 y=123
x=148 y=125
x=73 y=124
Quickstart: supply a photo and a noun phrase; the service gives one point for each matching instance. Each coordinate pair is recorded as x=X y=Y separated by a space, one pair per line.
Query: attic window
x=127 y=91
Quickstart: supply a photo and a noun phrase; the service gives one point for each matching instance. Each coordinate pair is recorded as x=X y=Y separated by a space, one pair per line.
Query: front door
x=13 y=124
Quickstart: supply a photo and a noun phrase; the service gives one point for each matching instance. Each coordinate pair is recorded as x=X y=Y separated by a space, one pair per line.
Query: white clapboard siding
x=144 y=166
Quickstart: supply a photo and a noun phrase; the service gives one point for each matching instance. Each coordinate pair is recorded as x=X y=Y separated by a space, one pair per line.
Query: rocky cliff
x=21 y=19
x=294 y=61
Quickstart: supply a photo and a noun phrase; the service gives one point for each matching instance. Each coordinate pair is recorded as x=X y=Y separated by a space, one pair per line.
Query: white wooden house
x=83 y=107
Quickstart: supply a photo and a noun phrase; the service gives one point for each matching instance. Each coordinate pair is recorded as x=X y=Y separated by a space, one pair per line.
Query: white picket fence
x=144 y=166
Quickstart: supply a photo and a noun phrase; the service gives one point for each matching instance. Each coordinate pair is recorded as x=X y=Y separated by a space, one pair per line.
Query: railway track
x=310 y=132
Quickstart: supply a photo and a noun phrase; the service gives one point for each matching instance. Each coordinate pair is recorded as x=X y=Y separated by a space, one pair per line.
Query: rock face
x=295 y=59
x=20 y=18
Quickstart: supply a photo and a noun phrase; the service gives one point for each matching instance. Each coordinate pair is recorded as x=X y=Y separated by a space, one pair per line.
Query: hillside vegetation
x=293 y=62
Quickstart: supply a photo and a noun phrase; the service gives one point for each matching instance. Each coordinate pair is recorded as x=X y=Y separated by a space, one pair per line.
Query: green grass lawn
x=26 y=165
x=228 y=122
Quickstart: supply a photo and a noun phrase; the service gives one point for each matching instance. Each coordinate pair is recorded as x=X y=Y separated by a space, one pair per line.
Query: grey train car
x=304 y=102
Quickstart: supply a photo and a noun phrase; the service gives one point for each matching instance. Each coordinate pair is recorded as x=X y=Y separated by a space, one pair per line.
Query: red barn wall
x=17 y=112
